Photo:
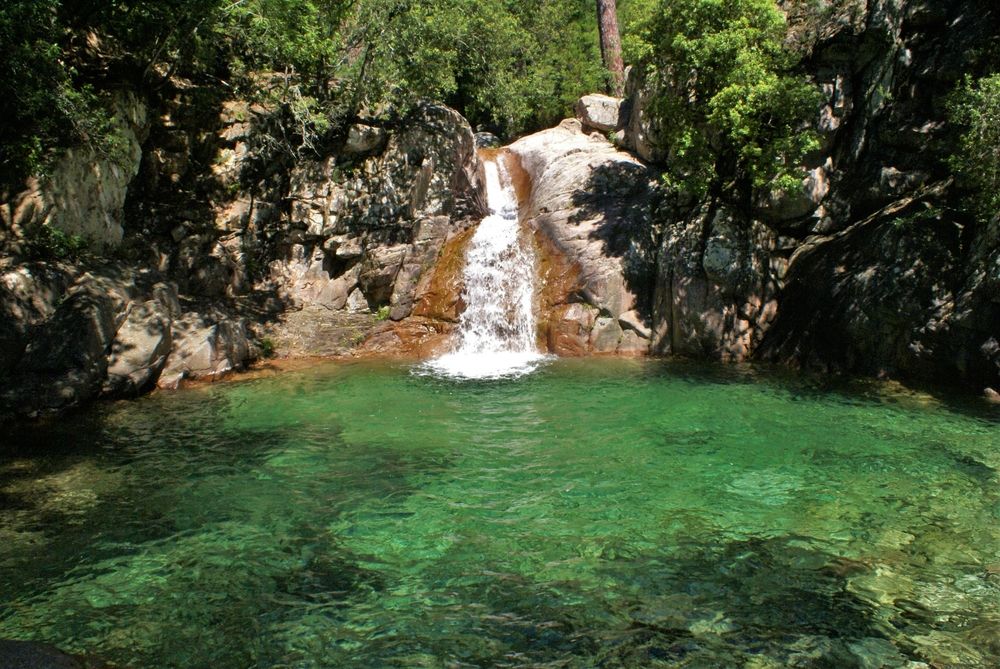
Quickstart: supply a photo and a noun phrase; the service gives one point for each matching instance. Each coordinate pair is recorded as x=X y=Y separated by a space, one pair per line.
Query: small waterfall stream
x=496 y=332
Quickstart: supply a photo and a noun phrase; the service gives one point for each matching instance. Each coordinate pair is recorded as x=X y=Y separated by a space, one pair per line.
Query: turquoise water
x=600 y=513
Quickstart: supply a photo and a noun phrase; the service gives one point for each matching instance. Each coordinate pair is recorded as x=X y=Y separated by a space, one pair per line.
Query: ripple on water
x=592 y=513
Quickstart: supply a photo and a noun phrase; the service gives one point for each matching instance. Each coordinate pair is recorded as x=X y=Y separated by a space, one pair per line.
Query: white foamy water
x=496 y=332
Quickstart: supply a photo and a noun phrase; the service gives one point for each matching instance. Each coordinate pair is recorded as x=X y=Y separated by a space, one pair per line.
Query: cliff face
x=869 y=268
x=216 y=242
x=897 y=282
x=222 y=246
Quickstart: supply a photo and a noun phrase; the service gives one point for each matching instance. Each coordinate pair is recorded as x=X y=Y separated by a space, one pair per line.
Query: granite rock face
x=84 y=195
x=867 y=267
x=236 y=255
x=366 y=241
x=715 y=288
x=590 y=206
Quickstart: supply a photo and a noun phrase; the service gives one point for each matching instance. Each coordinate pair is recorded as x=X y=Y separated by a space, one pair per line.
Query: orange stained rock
x=415 y=337
x=558 y=282
x=520 y=179
x=440 y=297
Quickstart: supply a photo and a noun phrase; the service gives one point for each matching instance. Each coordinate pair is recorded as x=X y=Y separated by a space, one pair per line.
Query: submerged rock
x=33 y=655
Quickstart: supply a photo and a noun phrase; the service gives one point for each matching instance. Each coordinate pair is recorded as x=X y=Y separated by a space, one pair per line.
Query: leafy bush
x=41 y=103
x=734 y=110
x=43 y=242
x=975 y=107
x=268 y=348
x=514 y=66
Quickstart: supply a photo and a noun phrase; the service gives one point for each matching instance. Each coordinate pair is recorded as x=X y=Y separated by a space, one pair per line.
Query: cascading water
x=497 y=329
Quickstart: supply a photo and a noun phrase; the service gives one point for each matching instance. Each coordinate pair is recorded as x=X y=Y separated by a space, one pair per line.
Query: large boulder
x=591 y=206
x=599 y=112
x=64 y=360
x=139 y=350
x=205 y=346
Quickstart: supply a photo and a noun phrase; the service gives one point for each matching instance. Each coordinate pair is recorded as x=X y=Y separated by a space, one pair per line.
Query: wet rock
x=599 y=112
x=438 y=295
x=417 y=336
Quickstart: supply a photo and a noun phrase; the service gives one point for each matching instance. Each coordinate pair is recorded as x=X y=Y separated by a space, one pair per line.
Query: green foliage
x=40 y=104
x=734 y=111
x=44 y=242
x=514 y=65
x=383 y=313
x=975 y=107
x=635 y=18
x=268 y=348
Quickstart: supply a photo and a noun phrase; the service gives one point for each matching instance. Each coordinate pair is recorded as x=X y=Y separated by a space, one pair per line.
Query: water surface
x=600 y=513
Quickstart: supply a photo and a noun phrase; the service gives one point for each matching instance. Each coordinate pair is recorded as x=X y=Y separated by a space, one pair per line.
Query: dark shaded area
x=31 y=655
x=625 y=196
x=900 y=85
x=896 y=296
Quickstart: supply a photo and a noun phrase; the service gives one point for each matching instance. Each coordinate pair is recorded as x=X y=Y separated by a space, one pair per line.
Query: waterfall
x=496 y=332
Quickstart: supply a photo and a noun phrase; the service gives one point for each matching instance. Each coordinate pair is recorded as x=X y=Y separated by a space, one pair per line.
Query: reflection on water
x=597 y=513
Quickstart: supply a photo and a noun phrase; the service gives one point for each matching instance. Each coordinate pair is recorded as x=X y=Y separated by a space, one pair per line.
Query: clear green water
x=596 y=514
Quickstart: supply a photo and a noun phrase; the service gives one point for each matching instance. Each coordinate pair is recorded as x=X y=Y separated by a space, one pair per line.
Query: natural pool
x=598 y=513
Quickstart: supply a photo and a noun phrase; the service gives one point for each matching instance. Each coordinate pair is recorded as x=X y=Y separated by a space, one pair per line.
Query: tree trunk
x=611 y=44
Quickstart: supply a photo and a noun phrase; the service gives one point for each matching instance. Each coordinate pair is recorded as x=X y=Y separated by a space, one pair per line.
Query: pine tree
x=611 y=44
